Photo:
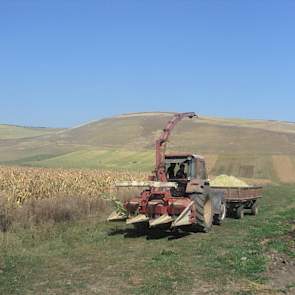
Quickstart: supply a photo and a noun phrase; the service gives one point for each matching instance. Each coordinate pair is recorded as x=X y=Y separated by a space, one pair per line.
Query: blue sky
x=66 y=62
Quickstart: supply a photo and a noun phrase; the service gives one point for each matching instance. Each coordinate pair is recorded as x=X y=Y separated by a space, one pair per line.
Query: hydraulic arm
x=162 y=142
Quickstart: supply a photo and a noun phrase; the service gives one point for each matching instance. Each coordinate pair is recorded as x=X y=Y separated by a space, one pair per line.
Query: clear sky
x=65 y=62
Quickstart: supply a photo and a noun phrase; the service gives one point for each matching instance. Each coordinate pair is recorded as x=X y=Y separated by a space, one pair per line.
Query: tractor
x=173 y=199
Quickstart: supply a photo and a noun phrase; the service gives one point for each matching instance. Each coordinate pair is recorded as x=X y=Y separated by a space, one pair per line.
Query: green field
x=104 y=158
x=255 y=255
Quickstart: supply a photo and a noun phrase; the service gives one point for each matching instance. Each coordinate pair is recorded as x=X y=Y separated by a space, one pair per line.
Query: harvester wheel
x=204 y=211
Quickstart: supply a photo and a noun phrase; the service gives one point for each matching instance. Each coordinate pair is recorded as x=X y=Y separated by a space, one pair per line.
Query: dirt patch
x=281 y=272
x=281 y=267
x=235 y=288
x=202 y=288
x=284 y=168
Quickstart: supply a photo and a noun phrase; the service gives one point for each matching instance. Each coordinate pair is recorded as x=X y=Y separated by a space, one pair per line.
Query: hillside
x=257 y=149
x=14 y=132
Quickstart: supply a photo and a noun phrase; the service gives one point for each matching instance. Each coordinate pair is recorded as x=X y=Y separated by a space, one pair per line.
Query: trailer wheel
x=240 y=212
x=218 y=218
x=254 y=209
x=204 y=211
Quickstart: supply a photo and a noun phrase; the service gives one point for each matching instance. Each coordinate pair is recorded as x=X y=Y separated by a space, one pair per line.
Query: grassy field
x=104 y=158
x=250 y=256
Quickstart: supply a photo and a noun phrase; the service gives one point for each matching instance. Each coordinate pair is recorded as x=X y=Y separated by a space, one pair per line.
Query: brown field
x=210 y=161
x=284 y=168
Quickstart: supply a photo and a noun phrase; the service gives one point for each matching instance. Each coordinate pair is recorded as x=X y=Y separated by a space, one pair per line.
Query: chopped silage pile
x=226 y=180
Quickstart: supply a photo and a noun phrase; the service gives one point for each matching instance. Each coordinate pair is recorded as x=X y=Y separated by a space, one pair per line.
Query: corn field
x=21 y=183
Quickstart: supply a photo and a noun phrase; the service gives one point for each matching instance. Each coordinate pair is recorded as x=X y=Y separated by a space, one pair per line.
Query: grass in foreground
x=92 y=257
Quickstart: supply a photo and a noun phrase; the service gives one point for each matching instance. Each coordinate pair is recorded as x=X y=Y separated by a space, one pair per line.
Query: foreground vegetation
x=89 y=256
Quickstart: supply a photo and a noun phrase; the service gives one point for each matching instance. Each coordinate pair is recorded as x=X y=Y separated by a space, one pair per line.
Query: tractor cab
x=184 y=169
x=194 y=167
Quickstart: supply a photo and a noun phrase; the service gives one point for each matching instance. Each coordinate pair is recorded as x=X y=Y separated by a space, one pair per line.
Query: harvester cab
x=178 y=193
x=194 y=171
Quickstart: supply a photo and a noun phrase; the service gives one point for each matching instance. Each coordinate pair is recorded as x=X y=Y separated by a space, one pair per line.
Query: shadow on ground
x=151 y=234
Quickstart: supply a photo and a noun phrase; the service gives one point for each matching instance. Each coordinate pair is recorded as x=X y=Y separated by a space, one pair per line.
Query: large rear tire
x=204 y=211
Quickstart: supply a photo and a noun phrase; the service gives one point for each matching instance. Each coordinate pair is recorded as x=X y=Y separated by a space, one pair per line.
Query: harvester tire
x=204 y=211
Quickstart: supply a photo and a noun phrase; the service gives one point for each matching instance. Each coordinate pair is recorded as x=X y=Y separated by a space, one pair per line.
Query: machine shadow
x=153 y=234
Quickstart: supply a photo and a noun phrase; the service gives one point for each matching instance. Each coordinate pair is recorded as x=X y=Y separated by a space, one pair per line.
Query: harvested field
x=285 y=168
x=245 y=166
x=210 y=161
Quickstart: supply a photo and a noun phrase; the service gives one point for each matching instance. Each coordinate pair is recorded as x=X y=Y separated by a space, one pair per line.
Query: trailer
x=240 y=200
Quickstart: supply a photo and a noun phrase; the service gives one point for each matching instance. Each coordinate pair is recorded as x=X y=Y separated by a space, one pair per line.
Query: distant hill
x=264 y=150
x=14 y=132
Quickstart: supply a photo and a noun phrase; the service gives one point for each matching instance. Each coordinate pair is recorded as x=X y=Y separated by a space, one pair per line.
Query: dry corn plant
x=58 y=188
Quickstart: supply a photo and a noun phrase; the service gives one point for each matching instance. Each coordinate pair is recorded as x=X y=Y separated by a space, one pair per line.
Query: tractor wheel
x=254 y=209
x=204 y=211
x=218 y=218
x=240 y=213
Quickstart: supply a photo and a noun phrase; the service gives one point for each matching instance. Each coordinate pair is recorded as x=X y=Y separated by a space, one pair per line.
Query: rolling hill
x=263 y=150
x=14 y=132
